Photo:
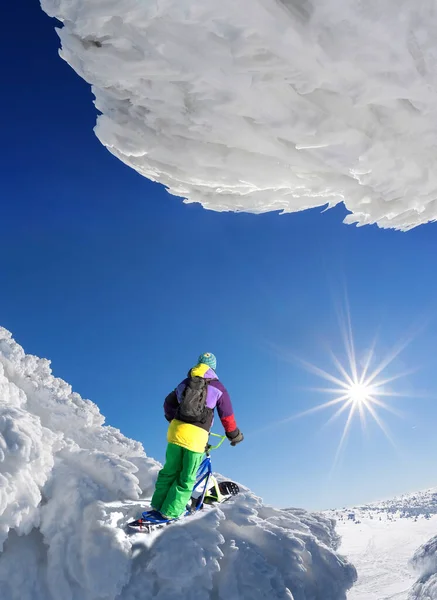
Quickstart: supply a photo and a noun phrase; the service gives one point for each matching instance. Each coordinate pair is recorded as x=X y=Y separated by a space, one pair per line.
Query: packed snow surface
x=69 y=484
x=381 y=538
x=262 y=105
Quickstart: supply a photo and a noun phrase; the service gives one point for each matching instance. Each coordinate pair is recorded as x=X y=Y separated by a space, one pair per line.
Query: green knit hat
x=208 y=359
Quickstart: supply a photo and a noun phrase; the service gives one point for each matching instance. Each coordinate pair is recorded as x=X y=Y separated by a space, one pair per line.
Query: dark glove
x=235 y=437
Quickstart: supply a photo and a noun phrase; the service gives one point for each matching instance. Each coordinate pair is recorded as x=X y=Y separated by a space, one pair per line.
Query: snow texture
x=381 y=537
x=266 y=105
x=69 y=484
x=424 y=562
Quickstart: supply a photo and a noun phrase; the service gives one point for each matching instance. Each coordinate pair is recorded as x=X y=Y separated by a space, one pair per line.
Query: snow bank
x=262 y=105
x=424 y=562
x=69 y=484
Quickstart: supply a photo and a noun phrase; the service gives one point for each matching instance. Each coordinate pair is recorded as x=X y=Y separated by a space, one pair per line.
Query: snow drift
x=68 y=485
x=263 y=105
x=424 y=562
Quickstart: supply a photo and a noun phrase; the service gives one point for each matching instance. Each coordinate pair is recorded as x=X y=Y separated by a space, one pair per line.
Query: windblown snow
x=266 y=105
x=69 y=484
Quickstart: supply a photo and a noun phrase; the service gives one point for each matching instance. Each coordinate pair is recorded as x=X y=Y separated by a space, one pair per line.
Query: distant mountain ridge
x=422 y=504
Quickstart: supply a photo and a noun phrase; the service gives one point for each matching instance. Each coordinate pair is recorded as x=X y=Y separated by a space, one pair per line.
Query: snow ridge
x=267 y=105
x=416 y=505
x=69 y=484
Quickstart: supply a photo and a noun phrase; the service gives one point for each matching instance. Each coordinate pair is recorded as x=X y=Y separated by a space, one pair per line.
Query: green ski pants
x=176 y=481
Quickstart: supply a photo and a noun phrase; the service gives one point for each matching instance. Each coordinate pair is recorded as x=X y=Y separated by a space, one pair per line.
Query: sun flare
x=360 y=393
x=359 y=387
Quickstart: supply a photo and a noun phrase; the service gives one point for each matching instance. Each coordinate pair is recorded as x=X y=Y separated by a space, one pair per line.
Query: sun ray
x=342 y=370
x=344 y=435
x=346 y=327
x=362 y=414
x=389 y=359
x=318 y=408
x=304 y=413
x=324 y=374
x=396 y=377
x=337 y=413
x=328 y=390
x=385 y=406
x=368 y=361
x=403 y=394
x=380 y=423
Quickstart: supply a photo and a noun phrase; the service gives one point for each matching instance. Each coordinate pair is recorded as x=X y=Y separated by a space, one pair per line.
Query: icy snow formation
x=69 y=484
x=262 y=105
x=424 y=562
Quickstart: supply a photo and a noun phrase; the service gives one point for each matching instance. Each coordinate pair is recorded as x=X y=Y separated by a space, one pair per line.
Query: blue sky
x=122 y=286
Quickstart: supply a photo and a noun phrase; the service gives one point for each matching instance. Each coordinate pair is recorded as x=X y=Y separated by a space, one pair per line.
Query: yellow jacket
x=187 y=435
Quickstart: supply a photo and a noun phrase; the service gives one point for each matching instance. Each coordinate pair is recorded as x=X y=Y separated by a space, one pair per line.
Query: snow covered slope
x=381 y=538
x=262 y=105
x=68 y=485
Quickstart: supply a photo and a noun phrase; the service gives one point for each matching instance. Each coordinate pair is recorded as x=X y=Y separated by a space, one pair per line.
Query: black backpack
x=192 y=407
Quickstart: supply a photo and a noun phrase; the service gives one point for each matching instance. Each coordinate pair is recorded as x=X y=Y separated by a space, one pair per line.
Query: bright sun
x=358 y=388
x=360 y=393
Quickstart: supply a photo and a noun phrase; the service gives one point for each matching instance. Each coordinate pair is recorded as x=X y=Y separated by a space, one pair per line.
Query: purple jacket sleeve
x=226 y=412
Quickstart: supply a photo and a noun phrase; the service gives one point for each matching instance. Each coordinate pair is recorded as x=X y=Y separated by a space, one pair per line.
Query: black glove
x=235 y=437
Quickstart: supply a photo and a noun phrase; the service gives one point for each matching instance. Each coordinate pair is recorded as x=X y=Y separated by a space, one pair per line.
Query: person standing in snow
x=190 y=411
